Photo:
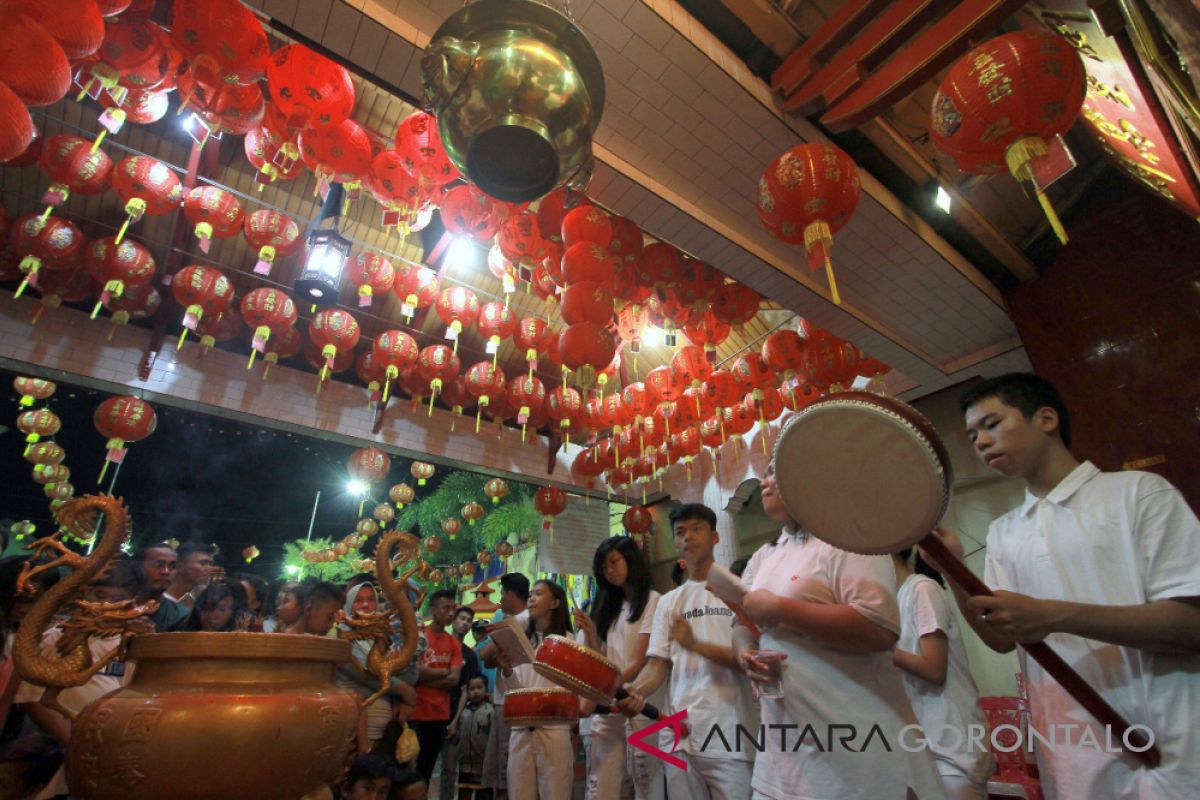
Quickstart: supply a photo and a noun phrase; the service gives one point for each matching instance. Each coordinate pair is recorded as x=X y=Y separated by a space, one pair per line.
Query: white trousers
x=618 y=771
x=709 y=778
x=541 y=764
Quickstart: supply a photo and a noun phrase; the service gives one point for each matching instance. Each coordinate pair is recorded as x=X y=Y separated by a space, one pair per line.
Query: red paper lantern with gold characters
x=38 y=423
x=261 y=147
x=417 y=287
x=269 y=312
x=783 y=351
x=369 y=465
x=472 y=512
x=496 y=323
x=334 y=332
x=437 y=364
x=215 y=213
x=807 y=195
x=420 y=145
x=587 y=301
x=123 y=420
x=422 y=471
x=392 y=352
x=146 y=186
x=458 y=307
x=274 y=235
x=1000 y=103
x=497 y=489
x=222 y=40
x=200 y=290
x=637 y=520
x=525 y=394
x=372 y=274
x=53 y=244
x=70 y=162
x=339 y=152
x=587 y=224
x=485 y=382
x=33 y=65
x=587 y=348
x=224 y=108
x=550 y=501
x=18 y=137
x=118 y=267
x=308 y=88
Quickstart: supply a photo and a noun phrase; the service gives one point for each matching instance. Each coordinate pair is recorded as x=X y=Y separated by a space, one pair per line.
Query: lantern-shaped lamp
x=550 y=501
x=497 y=489
x=122 y=420
x=400 y=494
x=472 y=512
x=422 y=471
x=451 y=526
x=322 y=273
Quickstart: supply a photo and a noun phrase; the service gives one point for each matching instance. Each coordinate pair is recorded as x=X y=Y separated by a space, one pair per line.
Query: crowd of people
x=824 y=643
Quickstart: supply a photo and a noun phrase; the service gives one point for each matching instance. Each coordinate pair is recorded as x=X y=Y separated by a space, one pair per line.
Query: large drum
x=530 y=707
x=582 y=670
x=868 y=474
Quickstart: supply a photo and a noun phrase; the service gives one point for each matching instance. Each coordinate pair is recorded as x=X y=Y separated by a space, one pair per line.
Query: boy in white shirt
x=691 y=643
x=1105 y=567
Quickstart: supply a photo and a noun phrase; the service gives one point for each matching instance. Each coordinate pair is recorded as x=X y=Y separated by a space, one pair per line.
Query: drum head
x=862 y=472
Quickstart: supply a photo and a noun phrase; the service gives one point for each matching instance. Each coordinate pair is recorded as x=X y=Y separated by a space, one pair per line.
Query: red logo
x=676 y=723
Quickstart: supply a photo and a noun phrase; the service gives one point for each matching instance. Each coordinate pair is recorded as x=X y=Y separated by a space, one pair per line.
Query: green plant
x=295 y=567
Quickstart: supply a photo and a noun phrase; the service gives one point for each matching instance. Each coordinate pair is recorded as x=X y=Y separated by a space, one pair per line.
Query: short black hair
x=371 y=766
x=188 y=548
x=689 y=511
x=318 y=593
x=359 y=579
x=516 y=583
x=123 y=573
x=447 y=594
x=478 y=677
x=258 y=583
x=140 y=555
x=678 y=575
x=1025 y=392
x=739 y=566
x=403 y=779
x=921 y=566
x=467 y=609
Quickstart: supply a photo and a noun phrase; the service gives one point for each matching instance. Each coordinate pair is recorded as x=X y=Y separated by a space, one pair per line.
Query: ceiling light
x=942 y=200
x=462 y=255
x=356 y=487
x=652 y=337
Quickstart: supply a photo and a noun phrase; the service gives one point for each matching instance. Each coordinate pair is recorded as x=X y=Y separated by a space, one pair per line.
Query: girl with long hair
x=619 y=627
x=540 y=758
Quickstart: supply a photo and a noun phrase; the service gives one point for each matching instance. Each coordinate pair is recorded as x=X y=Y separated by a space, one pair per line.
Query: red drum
x=868 y=474
x=525 y=707
x=576 y=667
x=863 y=472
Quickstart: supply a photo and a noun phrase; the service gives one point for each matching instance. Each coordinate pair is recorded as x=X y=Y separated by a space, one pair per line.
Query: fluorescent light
x=942 y=200
x=356 y=487
x=652 y=337
x=462 y=254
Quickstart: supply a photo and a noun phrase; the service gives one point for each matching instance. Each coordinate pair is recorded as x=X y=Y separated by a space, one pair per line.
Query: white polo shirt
x=806 y=756
x=947 y=711
x=1120 y=539
x=715 y=696
x=621 y=644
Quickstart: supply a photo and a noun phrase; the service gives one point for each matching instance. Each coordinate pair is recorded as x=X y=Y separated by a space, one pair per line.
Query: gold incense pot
x=518 y=91
x=206 y=715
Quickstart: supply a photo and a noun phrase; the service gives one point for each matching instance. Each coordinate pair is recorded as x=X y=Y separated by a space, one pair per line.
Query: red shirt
x=442 y=650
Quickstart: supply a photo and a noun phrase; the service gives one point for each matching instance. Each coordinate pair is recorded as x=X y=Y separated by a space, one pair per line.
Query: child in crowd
x=370 y=778
x=473 y=729
x=409 y=785
x=221 y=607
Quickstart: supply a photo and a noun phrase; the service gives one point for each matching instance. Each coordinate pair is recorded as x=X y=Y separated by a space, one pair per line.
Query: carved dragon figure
x=382 y=660
x=70 y=663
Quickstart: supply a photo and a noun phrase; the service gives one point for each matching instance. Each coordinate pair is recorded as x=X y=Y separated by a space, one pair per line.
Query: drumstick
x=649 y=710
x=1050 y=661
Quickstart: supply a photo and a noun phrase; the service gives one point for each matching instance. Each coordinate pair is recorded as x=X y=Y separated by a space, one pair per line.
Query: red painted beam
x=889 y=30
x=834 y=32
x=935 y=48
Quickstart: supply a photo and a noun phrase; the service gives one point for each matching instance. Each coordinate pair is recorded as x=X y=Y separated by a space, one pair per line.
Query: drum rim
x=566 y=679
x=924 y=431
x=583 y=649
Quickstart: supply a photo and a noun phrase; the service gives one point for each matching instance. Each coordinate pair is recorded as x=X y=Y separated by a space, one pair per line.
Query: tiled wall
x=66 y=341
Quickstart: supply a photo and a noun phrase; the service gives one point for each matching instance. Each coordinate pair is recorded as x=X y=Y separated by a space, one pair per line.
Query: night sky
x=196 y=476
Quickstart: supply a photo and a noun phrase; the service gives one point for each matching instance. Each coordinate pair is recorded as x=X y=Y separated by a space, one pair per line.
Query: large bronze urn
x=518 y=91
x=211 y=715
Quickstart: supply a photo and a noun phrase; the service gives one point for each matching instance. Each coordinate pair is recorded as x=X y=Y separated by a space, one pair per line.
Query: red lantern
x=369 y=465
x=542 y=284
x=531 y=336
x=32 y=64
x=400 y=494
x=661 y=265
x=123 y=420
x=75 y=24
x=39 y=423
x=553 y=207
x=587 y=302
x=797 y=394
x=587 y=224
x=285 y=346
x=392 y=352
x=33 y=389
x=707 y=331
x=751 y=372
x=70 y=286
x=141 y=106
x=807 y=195
x=422 y=471
x=497 y=489
x=564 y=406
x=270 y=312
x=525 y=394
x=451 y=526
x=371 y=374
x=627 y=244
x=417 y=287
x=485 y=382
x=218 y=328
x=70 y=163
x=466 y=211
x=335 y=332
x=457 y=306
x=586 y=347
x=308 y=88
x=637 y=520
x=472 y=512
x=418 y=143
x=1001 y=102
x=437 y=364
x=44 y=454
x=783 y=351
x=274 y=235
x=17 y=134
x=521 y=243
x=372 y=274
x=586 y=261
x=134 y=55
x=146 y=186
x=222 y=39
x=200 y=290
x=214 y=212
x=663 y=384
x=410 y=381
x=222 y=107
x=691 y=365
x=456 y=396
x=118 y=267
x=395 y=189
x=53 y=243
x=739 y=418
x=338 y=153
x=550 y=501
x=700 y=286
x=722 y=389
x=261 y=149
x=496 y=322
